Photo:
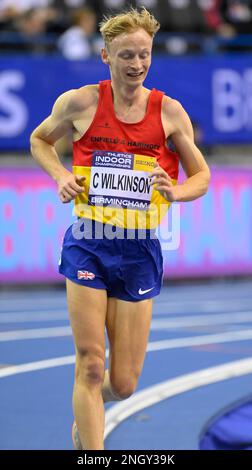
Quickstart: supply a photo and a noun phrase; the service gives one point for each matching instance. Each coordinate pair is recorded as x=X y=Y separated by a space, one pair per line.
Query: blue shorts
x=129 y=269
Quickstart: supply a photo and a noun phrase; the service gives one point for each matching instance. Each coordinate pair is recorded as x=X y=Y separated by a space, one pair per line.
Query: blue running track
x=196 y=327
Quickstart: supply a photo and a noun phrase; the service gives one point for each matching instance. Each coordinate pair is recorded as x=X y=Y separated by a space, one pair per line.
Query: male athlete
x=123 y=181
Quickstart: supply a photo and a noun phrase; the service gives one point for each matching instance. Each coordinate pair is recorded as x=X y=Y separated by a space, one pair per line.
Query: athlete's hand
x=69 y=186
x=163 y=183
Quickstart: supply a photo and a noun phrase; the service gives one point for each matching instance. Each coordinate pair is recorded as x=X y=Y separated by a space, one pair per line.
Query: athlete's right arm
x=43 y=139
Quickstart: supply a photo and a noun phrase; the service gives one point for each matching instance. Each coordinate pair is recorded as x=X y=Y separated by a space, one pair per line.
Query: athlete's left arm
x=192 y=160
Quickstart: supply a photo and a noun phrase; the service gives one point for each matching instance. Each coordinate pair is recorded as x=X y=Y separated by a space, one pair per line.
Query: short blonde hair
x=128 y=22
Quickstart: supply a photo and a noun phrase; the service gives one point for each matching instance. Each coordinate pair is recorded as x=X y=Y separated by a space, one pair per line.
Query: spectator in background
x=185 y=16
x=13 y=13
x=6 y=17
x=238 y=13
x=30 y=26
x=70 y=4
x=65 y=9
x=112 y=7
x=24 y=5
x=230 y=18
x=76 y=42
x=215 y=20
x=182 y=16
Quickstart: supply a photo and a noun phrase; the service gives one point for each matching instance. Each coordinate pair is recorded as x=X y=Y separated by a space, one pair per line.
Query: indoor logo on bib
x=120 y=180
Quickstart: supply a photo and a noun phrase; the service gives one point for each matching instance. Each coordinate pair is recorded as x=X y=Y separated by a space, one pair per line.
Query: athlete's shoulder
x=86 y=95
x=77 y=100
x=172 y=108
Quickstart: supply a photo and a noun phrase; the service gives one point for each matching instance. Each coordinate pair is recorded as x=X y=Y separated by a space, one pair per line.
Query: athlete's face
x=129 y=57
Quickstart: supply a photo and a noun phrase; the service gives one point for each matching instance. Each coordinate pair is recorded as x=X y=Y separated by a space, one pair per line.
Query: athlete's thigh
x=128 y=326
x=87 y=311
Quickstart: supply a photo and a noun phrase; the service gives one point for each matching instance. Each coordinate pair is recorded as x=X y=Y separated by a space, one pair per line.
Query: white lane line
x=165 y=308
x=227 y=337
x=169 y=322
x=156 y=325
x=180 y=305
x=32 y=304
x=202 y=320
x=154 y=394
x=38 y=316
x=211 y=289
x=38 y=365
x=153 y=346
x=61 y=314
x=35 y=333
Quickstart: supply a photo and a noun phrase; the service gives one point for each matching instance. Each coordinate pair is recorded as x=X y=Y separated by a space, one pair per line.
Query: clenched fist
x=163 y=183
x=69 y=186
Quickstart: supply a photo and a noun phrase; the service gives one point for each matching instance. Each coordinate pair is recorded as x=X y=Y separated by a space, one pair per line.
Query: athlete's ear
x=104 y=56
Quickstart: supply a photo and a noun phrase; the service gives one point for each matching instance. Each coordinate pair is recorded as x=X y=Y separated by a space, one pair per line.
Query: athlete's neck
x=126 y=97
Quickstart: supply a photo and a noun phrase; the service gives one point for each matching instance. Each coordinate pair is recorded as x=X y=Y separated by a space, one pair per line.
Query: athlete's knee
x=90 y=367
x=123 y=387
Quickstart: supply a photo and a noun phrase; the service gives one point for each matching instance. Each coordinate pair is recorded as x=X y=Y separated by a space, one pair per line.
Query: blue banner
x=216 y=91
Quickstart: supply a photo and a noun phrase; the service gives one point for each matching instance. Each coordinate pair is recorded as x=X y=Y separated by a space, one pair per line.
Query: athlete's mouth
x=135 y=74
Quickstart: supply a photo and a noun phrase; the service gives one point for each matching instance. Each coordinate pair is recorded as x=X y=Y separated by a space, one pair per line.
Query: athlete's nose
x=136 y=64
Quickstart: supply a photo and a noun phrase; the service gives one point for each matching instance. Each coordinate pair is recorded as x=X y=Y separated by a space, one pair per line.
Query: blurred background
x=202 y=57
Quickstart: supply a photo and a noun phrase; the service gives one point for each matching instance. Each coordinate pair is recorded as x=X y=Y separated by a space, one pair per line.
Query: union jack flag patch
x=85 y=275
